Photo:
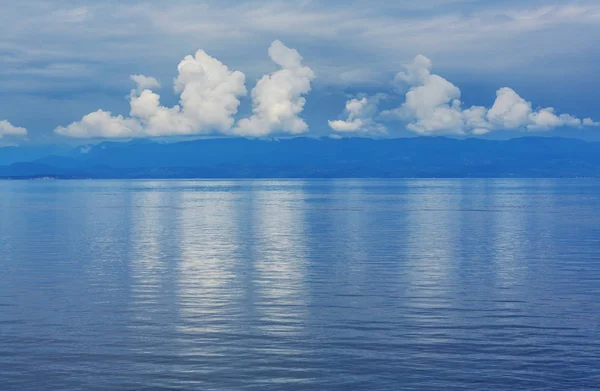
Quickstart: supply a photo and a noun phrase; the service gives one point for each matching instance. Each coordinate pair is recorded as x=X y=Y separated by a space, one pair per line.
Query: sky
x=81 y=70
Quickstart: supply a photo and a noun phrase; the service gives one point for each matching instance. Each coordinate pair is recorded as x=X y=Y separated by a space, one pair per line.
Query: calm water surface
x=300 y=285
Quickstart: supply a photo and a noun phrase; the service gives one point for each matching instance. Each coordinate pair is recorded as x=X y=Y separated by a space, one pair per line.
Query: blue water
x=300 y=285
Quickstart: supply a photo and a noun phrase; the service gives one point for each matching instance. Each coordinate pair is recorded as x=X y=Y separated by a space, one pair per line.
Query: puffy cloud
x=415 y=73
x=545 y=119
x=208 y=91
x=432 y=103
x=510 y=111
x=102 y=124
x=433 y=106
x=359 y=117
x=346 y=126
x=8 y=129
x=278 y=98
x=145 y=82
x=475 y=118
x=353 y=123
x=209 y=99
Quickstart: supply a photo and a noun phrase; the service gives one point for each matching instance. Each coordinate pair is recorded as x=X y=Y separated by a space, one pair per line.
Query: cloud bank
x=432 y=105
x=8 y=129
x=209 y=95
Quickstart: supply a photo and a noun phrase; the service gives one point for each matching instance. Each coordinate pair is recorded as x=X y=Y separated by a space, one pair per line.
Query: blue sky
x=340 y=68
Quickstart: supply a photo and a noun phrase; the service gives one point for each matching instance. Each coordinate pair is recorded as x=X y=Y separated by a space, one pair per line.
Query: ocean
x=424 y=284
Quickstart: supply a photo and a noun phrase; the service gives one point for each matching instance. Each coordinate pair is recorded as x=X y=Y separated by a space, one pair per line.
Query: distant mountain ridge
x=314 y=158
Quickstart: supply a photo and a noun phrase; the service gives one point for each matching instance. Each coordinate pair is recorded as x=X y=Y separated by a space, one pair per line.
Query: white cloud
x=354 y=109
x=433 y=106
x=208 y=92
x=475 y=118
x=90 y=46
x=8 y=129
x=346 y=126
x=145 y=82
x=415 y=73
x=278 y=99
x=102 y=124
x=359 y=118
x=545 y=119
x=510 y=111
x=209 y=99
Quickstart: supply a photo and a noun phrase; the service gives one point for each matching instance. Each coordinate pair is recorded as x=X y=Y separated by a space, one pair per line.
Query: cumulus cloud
x=433 y=106
x=145 y=82
x=359 y=117
x=278 y=99
x=8 y=129
x=414 y=73
x=103 y=124
x=353 y=123
x=209 y=98
x=510 y=111
x=432 y=103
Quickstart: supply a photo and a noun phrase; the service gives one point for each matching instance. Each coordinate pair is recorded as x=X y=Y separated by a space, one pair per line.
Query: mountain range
x=308 y=158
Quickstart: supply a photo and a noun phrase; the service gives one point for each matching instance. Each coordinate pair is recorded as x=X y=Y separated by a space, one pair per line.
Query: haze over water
x=300 y=285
